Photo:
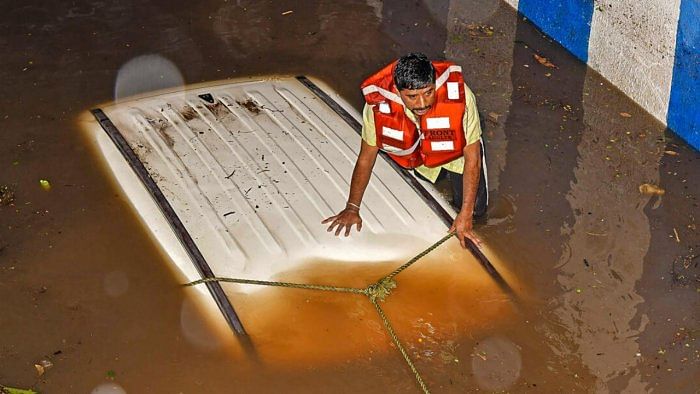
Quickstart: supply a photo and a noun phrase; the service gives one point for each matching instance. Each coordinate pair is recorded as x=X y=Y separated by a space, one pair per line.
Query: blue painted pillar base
x=567 y=21
x=684 y=105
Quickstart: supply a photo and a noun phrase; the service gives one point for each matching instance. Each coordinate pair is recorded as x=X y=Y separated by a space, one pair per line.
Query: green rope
x=280 y=284
x=418 y=257
x=378 y=291
x=398 y=344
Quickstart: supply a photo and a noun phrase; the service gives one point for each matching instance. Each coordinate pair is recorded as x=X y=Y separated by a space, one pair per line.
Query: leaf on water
x=7 y=195
x=625 y=115
x=651 y=190
x=494 y=116
x=39 y=369
x=111 y=374
x=45 y=184
x=13 y=390
x=478 y=30
x=544 y=61
x=671 y=153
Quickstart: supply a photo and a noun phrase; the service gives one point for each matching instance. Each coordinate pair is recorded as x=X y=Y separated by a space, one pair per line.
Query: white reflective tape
x=440 y=80
x=384 y=108
x=399 y=152
x=387 y=94
x=442 y=145
x=453 y=90
x=391 y=133
x=438 y=123
x=390 y=149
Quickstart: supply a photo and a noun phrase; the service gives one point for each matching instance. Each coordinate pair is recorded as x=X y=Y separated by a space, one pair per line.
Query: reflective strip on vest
x=389 y=95
x=398 y=152
x=446 y=74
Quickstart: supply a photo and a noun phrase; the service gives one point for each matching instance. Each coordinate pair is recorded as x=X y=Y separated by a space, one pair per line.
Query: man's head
x=414 y=77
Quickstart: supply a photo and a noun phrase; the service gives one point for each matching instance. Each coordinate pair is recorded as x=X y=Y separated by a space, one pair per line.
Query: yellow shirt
x=470 y=124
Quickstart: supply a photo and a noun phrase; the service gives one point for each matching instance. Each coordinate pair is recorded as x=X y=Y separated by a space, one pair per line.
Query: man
x=423 y=115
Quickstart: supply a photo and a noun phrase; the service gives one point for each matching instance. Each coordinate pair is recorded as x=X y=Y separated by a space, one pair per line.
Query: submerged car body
x=233 y=179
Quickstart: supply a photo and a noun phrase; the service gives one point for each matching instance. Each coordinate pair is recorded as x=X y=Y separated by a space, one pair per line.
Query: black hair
x=413 y=71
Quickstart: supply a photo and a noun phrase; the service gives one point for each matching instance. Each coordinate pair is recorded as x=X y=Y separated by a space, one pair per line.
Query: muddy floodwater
x=593 y=217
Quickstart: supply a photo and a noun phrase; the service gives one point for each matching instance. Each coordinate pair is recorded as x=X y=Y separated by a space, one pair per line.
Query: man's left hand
x=462 y=226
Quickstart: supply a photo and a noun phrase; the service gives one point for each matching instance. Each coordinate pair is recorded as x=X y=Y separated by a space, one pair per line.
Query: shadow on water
x=670 y=281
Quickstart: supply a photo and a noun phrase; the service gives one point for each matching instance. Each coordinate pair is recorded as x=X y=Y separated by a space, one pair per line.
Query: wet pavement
x=609 y=275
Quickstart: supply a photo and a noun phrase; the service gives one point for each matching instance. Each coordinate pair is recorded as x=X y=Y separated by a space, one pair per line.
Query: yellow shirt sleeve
x=369 y=134
x=470 y=122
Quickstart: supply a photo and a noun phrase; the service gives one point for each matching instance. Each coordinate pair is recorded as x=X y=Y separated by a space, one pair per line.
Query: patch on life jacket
x=442 y=146
x=384 y=108
x=453 y=90
x=438 y=123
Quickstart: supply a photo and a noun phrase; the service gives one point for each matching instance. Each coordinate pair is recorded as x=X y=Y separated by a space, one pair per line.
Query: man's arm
x=358 y=184
x=470 y=183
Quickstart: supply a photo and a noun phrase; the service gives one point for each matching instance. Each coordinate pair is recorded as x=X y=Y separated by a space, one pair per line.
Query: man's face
x=419 y=100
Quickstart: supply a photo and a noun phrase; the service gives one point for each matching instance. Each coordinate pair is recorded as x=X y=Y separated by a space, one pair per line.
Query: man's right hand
x=345 y=219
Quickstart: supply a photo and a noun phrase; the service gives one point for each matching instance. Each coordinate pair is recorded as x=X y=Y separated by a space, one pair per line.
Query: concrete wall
x=649 y=49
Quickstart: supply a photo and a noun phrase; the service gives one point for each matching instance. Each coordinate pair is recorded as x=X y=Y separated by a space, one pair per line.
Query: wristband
x=353 y=205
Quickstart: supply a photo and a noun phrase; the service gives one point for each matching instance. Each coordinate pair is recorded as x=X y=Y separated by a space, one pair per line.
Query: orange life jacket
x=440 y=137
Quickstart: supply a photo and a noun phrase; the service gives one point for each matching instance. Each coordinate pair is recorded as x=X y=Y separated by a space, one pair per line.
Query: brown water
x=608 y=278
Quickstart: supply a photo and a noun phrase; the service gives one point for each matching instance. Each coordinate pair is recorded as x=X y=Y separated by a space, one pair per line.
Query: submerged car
x=233 y=179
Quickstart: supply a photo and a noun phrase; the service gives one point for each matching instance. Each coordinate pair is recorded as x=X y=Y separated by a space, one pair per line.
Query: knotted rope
x=376 y=292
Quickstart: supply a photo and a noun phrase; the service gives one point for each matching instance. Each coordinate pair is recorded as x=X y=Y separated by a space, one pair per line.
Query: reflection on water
x=496 y=363
x=601 y=264
x=108 y=388
x=146 y=73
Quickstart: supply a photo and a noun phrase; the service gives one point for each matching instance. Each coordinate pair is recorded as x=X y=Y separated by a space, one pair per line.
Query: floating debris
x=625 y=115
x=13 y=390
x=45 y=184
x=7 y=195
x=493 y=116
x=651 y=190
x=476 y=30
x=287 y=12
x=544 y=61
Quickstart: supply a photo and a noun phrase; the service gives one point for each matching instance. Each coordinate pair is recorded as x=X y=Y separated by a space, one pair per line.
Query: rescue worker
x=423 y=115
